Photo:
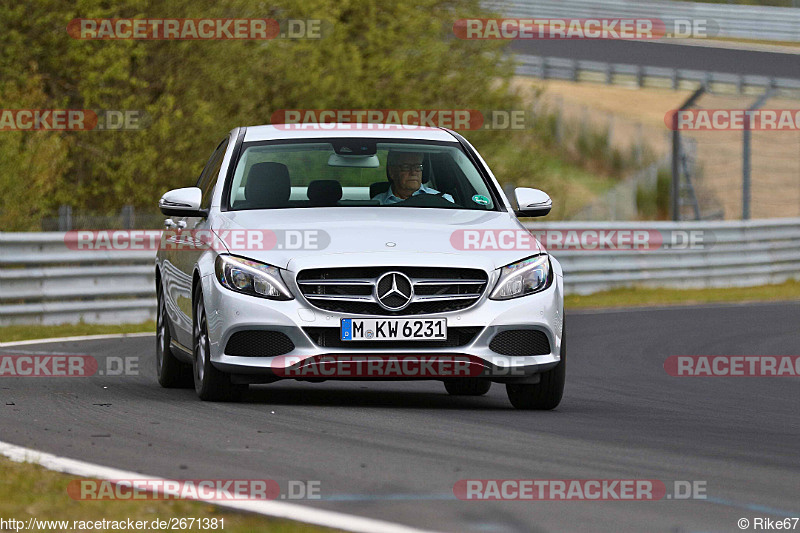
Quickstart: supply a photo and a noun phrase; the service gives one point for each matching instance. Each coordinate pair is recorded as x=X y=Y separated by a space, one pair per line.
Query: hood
x=348 y=236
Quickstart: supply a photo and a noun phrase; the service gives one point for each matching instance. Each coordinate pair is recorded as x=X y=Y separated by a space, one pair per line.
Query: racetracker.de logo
x=560 y=489
x=73 y=119
x=459 y=119
x=584 y=239
x=196 y=240
x=173 y=29
x=579 y=489
x=377 y=366
x=392 y=119
x=560 y=28
x=67 y=366
x=186 y=489
x=733 y=119
x=47 y=119
x=733 y=365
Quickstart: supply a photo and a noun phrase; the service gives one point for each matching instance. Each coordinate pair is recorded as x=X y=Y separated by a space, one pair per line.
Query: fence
x=41 y=281
x=658 y=77
x=740 y=21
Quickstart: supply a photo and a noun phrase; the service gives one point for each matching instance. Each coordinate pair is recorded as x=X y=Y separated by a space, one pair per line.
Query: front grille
x=331 y=338
x=520 y=342
x=258 y=343
x=351 y=290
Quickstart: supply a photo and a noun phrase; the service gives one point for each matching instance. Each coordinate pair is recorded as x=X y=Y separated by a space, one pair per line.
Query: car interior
x=268 y=185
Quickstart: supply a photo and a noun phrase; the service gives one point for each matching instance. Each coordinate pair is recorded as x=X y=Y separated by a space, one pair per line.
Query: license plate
x=392 y=329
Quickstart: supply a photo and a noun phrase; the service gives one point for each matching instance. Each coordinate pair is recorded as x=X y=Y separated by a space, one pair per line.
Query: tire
x=171 y=373
x=209 y=383
x=546 y=394
x=467 y=386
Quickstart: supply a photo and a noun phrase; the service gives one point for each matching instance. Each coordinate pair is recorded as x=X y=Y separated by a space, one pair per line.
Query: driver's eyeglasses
x=408 y=168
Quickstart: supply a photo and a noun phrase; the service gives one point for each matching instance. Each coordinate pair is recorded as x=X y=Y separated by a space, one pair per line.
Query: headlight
x=522 y=278
x=251 y=277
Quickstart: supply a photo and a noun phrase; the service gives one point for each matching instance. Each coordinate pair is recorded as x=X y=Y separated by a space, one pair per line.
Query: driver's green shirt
x=387 y=197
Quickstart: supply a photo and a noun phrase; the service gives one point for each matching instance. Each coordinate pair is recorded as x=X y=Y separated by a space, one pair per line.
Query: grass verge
x=31 y=491
x=636 y=297
x=37 y=331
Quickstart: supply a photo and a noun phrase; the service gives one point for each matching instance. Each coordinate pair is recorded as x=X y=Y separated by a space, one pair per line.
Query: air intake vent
x=520 y=342
x=258 y=343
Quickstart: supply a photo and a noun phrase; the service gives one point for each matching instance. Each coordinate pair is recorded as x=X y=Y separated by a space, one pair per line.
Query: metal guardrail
x=738 y=21
x=733 y=254
x=43 y=282
x=643 y=76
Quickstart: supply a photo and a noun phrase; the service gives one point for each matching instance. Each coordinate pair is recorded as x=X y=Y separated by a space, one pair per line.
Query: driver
x=404 y=170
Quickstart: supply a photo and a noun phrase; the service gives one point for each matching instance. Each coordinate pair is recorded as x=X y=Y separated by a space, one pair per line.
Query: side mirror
x=532 y=202
x=183 y=203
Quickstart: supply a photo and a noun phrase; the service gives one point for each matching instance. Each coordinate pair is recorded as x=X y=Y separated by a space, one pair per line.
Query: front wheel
x=209 y=383
x=546 y=394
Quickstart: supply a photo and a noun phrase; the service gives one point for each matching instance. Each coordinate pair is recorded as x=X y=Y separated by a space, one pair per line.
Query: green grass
x=635 y=297
x=30 y=491
x=26 y=332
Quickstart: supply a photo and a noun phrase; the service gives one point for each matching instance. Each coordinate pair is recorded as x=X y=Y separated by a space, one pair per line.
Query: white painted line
x=289 y=511
x=76 y=339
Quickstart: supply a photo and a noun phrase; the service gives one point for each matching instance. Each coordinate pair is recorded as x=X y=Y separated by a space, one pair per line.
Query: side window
x=208 y=178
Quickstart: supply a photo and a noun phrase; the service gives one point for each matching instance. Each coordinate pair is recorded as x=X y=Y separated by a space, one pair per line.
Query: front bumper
x=229 y=312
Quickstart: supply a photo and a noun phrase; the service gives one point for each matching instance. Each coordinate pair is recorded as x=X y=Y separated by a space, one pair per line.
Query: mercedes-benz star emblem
x=394 y=291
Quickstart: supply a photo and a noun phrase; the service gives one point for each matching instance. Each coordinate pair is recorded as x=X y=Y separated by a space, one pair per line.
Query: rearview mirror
x=532 y=202
x=355 y=161
x=183 y=203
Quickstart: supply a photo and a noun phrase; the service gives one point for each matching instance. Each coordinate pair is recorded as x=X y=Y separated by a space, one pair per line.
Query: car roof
x=346 y=130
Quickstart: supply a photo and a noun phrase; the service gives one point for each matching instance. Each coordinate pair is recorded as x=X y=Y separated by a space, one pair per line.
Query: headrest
x=268 y=185
x=324 y=192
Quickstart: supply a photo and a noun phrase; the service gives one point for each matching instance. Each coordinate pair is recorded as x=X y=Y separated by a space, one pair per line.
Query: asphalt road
x=656 y=54
x=394 y=450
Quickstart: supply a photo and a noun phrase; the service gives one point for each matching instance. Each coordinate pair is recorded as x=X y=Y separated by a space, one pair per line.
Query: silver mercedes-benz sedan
x=343 y=251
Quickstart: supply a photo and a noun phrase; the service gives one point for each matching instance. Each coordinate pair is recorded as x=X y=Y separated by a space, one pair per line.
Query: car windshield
x=357 y=172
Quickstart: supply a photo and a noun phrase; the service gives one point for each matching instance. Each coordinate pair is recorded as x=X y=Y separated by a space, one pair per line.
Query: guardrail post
x=637 y=146
x=676 y=154
x=575 y=70
x=640 y=76
x=675 y=80
x=127 y=217
x=559 y=119
x=746 y=164
x=65 y=218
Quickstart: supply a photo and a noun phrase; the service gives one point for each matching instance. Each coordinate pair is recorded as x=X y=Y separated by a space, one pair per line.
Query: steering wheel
x=426 y=200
